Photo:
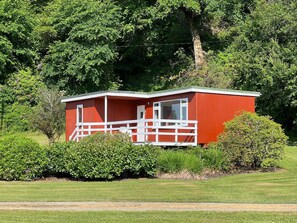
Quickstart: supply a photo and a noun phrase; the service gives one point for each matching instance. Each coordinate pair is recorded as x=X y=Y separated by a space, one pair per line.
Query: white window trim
x=159 y=108
x=82 y=113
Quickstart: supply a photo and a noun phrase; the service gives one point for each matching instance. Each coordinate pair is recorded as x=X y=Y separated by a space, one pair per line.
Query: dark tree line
x=80 y=46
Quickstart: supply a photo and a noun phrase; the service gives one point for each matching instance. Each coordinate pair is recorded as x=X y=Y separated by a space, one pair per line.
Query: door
x=141 y=123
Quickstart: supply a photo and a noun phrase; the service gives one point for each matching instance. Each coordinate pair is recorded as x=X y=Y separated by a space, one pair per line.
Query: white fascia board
x=120 y=94
x=210 y=91
x=161 y=94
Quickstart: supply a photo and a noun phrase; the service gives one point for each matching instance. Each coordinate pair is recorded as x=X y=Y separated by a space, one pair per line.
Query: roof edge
x=146 y=95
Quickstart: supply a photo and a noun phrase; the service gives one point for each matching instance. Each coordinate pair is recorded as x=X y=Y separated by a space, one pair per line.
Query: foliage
x=16 y=25
x=81 y=56
x=106 y=156
x=250 y=141
x=23 y=87
x=177 y=161
x=212 y=157
x=21 y=158
x=49 y=115
x=20 y=96
x=17 y=117
x=140 y=160
x=262 y=57
x=58 y=159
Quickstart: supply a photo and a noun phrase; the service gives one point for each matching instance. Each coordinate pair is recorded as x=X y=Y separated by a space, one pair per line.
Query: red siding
x=191 y=114
x=211 y=111
x=89 y=114
x=214 y=110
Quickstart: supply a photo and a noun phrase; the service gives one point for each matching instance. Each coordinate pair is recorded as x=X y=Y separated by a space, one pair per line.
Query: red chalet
x=186 y=116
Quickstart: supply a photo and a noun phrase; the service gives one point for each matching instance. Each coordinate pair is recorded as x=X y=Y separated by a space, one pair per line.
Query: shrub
x=21 y=158
x=141 y=160
x=212 y=157
x=250 y=141
x=106 y=156
x=57 y=155
x=177 y=161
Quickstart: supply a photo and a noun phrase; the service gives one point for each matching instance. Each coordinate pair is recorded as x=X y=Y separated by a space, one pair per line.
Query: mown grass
x=144 y=217
x=272 y=187
x=41 y=138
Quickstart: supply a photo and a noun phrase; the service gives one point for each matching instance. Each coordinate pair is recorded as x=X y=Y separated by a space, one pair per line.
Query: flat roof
x=154 y=94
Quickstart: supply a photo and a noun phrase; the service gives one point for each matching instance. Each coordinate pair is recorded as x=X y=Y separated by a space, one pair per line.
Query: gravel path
x=145 y=206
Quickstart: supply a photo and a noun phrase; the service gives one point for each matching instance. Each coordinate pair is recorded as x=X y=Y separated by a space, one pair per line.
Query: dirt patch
x=186 y=175
x=56 y=179
x=146 y=206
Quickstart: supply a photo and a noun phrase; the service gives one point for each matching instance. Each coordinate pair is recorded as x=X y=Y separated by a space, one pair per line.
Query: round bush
x=21 y=158
x=250 y=141
x=58 y=159
x=106 y=156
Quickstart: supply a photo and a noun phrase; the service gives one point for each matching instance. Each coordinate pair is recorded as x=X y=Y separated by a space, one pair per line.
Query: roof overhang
x=143 y=95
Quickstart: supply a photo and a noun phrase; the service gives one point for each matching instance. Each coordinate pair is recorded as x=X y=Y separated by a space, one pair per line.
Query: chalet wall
x=89 y=114
x=213 y=110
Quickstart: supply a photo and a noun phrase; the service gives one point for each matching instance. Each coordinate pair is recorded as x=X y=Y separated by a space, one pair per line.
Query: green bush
x=141 y=160
x=21 y=158
x=106 y=156
x=250 y=141
x=212 y=157
x=58 y=159
x=176 y=161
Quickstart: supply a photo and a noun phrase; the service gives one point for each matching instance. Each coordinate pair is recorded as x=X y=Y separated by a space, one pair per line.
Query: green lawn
x=40 y=138
x=144 y=217
x=274 y=187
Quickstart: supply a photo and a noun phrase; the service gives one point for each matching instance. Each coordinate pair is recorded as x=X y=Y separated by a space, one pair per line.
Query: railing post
x=145 y=131
x=176 y=132
x=89 y=129
x=196 y=133
x=110 y=128
x=157 y=131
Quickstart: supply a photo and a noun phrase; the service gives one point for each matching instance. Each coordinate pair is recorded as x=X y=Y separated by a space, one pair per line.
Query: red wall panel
x=89 y=114
x=215 y=109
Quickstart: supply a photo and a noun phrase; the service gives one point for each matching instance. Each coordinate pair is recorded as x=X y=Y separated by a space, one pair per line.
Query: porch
x=161 y=132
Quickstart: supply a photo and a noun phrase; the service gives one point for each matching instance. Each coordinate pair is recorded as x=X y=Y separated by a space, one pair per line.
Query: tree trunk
x=198 y=51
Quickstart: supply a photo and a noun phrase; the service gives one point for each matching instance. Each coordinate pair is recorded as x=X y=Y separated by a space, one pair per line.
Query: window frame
x=80 y=106
x=183 y=102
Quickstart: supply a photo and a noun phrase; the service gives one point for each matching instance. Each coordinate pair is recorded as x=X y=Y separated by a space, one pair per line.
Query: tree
x=16 y=25
x=49 y=115
x=263 y=58
x=19 y=96
x=81 y=55
x=206 y=17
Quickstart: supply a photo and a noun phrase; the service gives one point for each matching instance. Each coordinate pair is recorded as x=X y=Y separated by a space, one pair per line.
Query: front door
x=141 y=123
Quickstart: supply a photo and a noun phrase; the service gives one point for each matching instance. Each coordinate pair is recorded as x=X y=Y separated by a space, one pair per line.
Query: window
x=171 y=110
x=79 y=113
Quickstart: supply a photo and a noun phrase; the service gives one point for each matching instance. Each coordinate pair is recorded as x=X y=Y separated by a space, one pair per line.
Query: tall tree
x=193 y=12
x=81 y=55
x=263 y=58
x=16 y=25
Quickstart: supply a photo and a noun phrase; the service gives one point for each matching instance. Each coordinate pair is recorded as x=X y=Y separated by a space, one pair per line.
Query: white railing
x=154 y=131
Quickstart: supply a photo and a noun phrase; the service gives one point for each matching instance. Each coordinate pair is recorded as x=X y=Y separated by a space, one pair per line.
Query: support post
x=196 y=134
x=146 y=130
x=105 y=114
x=157 y=132
x=176 y=133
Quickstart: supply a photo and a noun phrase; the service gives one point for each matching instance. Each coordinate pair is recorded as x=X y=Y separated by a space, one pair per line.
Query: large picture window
x=171 y=110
